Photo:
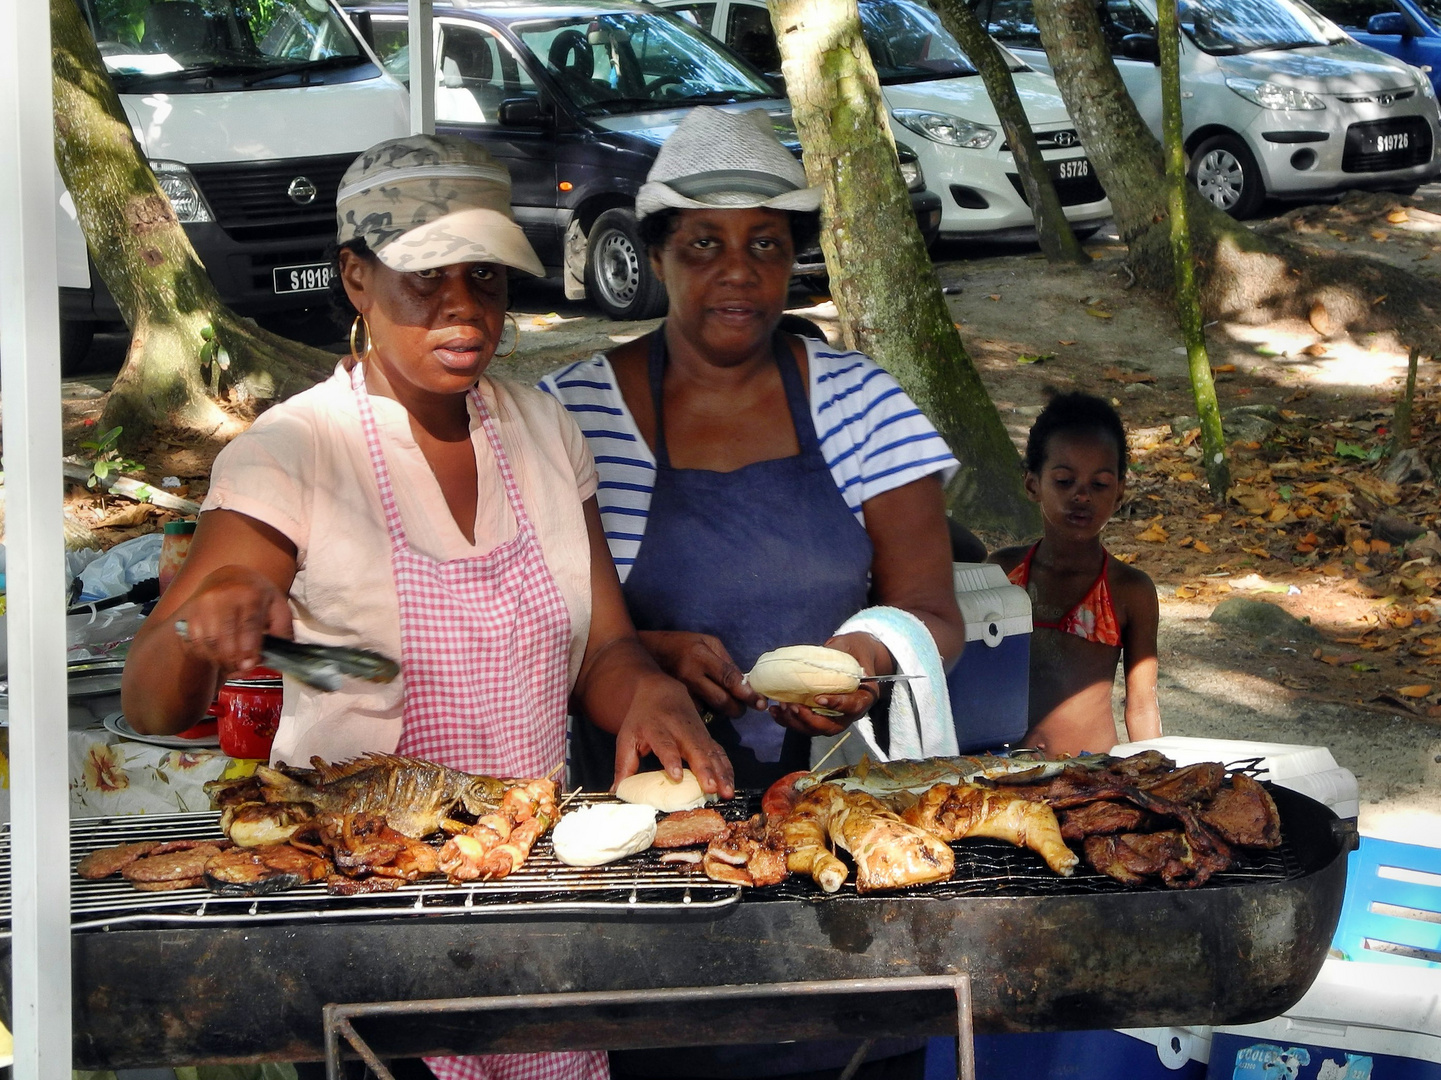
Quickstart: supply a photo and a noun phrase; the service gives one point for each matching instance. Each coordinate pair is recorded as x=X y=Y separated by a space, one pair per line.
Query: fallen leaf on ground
x=1098 y=313
x=1223 y=369
x=994 y=296
x=1318 y=349
x=1396 y=217
x=1320 y=320
x=138 y=514
x=1378 y=234
x=1154 y=535
x=1115 y=374
x=1420 y=690
x=1064 y=342
x=1203 y=547
x=1127 y=557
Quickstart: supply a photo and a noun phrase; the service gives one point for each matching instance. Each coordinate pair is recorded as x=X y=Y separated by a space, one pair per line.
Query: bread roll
x=603 y=833
x=658 y=790
x=800 y=673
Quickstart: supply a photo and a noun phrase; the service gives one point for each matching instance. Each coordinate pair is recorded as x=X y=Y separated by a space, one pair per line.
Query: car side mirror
x=364 y=26
x=526 y=112
x=1141 y=47
x=1388 y=24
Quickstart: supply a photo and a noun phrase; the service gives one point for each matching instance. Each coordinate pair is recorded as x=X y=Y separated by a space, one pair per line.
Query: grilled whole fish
x=888 y=780
x=415 y=797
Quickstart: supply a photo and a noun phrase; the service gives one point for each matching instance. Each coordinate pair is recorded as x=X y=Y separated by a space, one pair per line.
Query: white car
x=932 y=91
x=1275 y=99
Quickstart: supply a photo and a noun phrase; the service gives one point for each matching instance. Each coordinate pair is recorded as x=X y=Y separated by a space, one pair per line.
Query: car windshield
x=184 y=43
x=907 y=43
x=629 y=62
x=1224 y=27
x=1431 y=9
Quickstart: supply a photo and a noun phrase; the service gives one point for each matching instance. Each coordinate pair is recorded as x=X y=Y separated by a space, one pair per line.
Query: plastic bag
x=122 y=566
x=91 y=635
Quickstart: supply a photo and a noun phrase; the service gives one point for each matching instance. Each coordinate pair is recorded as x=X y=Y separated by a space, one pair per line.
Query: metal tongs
x=322 y=666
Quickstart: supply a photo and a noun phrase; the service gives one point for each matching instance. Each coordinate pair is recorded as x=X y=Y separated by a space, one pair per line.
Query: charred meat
x=688 y=828
x=1245 y=814
x=111 y=860
x=957 y=811
x=258 y=871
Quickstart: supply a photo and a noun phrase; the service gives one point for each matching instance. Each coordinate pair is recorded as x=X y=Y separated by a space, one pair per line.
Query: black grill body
x=1356 y=158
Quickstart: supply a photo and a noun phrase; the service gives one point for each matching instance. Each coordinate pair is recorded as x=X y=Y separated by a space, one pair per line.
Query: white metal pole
x=35 y=551
x=422 y=67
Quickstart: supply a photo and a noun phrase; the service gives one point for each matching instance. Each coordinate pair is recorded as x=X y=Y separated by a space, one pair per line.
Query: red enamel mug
x=248 y=711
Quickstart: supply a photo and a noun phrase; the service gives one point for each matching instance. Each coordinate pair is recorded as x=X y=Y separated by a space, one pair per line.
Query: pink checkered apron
x=485 y=646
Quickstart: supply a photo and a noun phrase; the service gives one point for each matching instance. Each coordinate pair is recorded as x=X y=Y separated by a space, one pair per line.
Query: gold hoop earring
x=515 y=344
x=355 y=326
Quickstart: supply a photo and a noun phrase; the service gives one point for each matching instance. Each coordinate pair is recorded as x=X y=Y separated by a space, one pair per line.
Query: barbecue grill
x=188 y=978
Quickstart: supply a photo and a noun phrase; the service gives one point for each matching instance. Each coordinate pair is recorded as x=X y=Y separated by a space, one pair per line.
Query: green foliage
x=105 y=458
x=1360 y=453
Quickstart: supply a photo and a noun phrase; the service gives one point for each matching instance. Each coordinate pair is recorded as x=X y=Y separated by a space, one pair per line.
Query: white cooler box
x=990 y=684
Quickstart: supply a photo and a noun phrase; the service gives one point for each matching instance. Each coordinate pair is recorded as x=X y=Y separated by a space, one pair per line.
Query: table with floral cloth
x=112 y=775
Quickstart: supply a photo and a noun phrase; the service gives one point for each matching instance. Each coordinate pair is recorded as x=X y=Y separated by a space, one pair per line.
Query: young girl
x=1089 y=609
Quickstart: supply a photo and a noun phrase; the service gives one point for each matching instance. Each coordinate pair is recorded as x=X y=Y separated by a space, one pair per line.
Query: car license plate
x=1388 y=144
x=311 y=277
x=1071 y=169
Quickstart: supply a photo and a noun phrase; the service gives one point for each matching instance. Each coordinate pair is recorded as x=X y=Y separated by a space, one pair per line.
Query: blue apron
x=764 y=556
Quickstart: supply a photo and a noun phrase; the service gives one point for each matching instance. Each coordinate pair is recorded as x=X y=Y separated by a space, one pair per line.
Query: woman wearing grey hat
x=413 y=505
x=758 y=490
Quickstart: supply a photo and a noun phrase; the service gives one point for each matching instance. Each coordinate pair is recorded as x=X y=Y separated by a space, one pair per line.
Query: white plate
x=116 y=724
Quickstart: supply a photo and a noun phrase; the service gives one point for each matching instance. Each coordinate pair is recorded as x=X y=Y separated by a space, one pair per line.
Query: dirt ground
x=1300 y=528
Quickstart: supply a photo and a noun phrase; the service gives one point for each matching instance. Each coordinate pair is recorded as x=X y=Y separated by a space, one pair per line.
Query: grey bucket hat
x=716 y=158
x=424 y=201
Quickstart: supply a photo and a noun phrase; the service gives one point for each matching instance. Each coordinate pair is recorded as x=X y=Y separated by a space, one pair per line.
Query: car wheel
x=1225 y=172
x=75 y=338
x=618 y=275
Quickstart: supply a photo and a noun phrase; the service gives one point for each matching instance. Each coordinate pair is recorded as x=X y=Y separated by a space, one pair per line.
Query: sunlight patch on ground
x=1344 y=363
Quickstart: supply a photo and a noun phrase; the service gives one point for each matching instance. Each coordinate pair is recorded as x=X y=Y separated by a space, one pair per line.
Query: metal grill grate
x=544 y=885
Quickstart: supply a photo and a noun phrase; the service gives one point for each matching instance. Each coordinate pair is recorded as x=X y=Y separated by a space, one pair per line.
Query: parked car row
x=1276 y=99
x=576 y=96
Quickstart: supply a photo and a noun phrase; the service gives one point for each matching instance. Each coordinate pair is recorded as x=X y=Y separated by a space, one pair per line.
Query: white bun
x=801 y=673
x=658 y=790
x=603 y=833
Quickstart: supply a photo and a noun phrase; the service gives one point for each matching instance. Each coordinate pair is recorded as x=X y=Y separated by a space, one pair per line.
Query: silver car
x=1276 y=99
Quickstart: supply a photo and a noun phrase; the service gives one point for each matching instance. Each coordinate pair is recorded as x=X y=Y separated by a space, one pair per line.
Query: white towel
x=921 y=725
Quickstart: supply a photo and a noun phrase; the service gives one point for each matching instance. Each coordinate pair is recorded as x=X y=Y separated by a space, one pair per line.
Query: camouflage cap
x=425 y=201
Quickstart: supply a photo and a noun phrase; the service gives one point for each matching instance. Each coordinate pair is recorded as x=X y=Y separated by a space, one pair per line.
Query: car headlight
x=911 y=171
x=182 y=191
x=1271 y=95
x=1423 y=81
x=943 y=128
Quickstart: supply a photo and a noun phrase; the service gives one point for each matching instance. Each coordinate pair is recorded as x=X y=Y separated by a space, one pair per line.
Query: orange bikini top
x=1093 y=619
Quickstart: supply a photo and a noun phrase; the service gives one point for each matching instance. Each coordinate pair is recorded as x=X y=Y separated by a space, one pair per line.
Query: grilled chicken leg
x=956 y=811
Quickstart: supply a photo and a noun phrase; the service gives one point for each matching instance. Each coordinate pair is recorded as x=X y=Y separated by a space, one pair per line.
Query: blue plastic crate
x=1392 y=910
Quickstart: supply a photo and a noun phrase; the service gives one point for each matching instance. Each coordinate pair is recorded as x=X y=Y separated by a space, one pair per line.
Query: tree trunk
x=178 y=325
x=885 y=290
x=1188 y=303
x=1058 y=242
x=1240 y=274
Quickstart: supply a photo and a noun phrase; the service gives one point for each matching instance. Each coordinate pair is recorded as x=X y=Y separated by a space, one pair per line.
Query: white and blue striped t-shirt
x=872 y=435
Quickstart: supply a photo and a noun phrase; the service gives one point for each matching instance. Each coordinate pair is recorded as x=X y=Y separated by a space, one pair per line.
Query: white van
x=1275 y=99
x=249 y=112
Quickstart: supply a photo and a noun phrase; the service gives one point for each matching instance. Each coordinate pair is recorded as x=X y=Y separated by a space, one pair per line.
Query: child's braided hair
x=1075 y=413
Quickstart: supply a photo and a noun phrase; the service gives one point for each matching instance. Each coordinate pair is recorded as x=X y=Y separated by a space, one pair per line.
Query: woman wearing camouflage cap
x=415 y=506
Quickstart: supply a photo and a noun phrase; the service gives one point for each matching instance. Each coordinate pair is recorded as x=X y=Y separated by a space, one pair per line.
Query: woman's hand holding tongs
x=227 y=617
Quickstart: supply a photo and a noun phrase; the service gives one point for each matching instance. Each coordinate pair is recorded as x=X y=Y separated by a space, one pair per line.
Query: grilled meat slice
x=1146 y=763
x=1245 y=814
x=1131 y=858
x=111 y=860
x=688 y=828
x=415 y=797
x=263 y=870
x=340 y=885
x=260 y=824
x=1194 y=784
x=185 y=864
x=169 y=885
x=957 y=811
x=747 y=853
x=1101 y=819
x=363 y=845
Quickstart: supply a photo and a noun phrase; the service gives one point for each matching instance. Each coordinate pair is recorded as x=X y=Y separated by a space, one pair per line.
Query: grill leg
x=335 y=1027
x=965 y=1031
x=857 y=1060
